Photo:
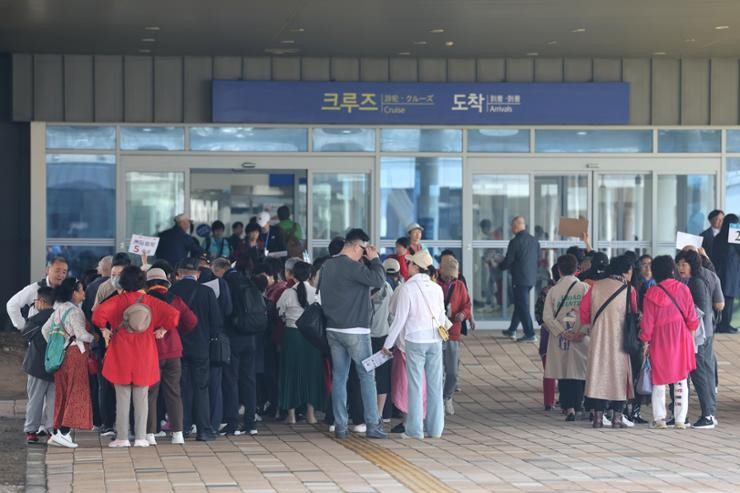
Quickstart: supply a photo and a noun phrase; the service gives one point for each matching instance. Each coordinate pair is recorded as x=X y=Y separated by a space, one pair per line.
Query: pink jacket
x=669 y=332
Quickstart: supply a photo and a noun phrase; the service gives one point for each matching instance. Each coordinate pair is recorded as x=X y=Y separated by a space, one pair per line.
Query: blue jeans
x=424 y=359
x=521 y=309
x=345 y=349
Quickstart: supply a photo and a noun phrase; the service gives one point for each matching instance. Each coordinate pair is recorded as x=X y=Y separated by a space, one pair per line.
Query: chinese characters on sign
x=143 y=245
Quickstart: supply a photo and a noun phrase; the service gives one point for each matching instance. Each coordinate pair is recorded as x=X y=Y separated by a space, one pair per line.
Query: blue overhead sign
x=391 y=103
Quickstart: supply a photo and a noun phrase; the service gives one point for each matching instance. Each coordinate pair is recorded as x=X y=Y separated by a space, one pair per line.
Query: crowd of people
x=204 y=341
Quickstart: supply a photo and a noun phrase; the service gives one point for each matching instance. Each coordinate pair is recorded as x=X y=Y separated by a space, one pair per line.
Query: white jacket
x=418 y=310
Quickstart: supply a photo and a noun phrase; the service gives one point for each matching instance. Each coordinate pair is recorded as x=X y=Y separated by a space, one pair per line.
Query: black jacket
x=224 y=293
x=521 y=259
x=202 y=300
x=708 y=242
x=90 y=292
x=273 y=240
x=33 y=361
x=175 y=244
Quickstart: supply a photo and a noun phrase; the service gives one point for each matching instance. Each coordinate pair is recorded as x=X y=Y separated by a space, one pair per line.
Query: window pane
x=152 y=201
x=689 y=140
x=80 y=196
x=733 y=141
x=732 y=179
x=625 y=207
x=79 y=258
x=556 y=197
x=248 y=139
x=343 y=139
x=497 y=199
x=498 y=140
x=491 y=287
x=420 y=140
x=421 y=190
x=152 y=138
x=686 y=201
x=341 y=201
x=594 y=141
x=80 y=137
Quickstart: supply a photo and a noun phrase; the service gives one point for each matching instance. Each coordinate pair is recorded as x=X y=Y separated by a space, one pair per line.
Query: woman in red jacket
x=668 y=320
x=458 y=306
x=131 y=362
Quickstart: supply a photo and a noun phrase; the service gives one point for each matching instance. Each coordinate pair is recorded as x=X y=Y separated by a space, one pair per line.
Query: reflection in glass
x=341 y=201
x=689 y=140
x=733 y=141
x=420 y=140
x=257 y=139
x=594 y=140
x=497 y=199
x=425 y=190
x=498 y=140
x=80 y=137
x=343 y=139
x=556 y=197
x=685 y=203
x=491 y=287
x=152 y=138
x=625 y=207
x=79 y=258
x=732 y=179
x=80 y=196
x=152 y=201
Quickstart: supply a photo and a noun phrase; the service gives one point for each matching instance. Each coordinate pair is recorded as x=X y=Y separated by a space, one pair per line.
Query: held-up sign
x=143 y=245
x=734 y=236
x=573 y=227
x=685 y=239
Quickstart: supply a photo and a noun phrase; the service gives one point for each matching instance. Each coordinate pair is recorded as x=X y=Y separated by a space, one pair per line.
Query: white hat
x=421 y=258
x=391 y=266
x=157 y=274
x=414 y=226
x=263 y=219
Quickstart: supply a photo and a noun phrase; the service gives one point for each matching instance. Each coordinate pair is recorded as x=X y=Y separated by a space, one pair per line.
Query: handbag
x=645 y=379
x=312 y=326
x=442 y=329
x=219 y=350
x=631 y=343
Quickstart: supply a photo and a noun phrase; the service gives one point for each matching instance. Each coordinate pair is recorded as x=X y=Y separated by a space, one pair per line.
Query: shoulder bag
x=312 y=325
x=631 y=343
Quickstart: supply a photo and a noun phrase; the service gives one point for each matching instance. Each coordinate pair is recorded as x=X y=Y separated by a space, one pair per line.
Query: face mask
x=116 y=282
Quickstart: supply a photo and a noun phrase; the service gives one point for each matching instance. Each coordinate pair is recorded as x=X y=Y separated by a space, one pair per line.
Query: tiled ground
x=500 y=440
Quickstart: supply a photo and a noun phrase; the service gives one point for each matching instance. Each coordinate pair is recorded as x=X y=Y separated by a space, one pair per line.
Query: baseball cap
x=263 y=219
x=391 y=266
x=156 y=274
x=414 y=226
x=421 y=258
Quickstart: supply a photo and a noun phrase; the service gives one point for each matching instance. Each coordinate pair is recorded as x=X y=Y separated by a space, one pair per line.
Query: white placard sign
x=685 y=239
x=143 y=245
x=372 y=362
x=734 y=236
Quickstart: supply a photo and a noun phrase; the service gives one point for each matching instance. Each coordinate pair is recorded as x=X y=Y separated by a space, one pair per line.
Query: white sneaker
x=332 y=428
x=386 y=420
x=161 y=434
x=606 y=421
x=141 y=443
x=626 y=422
x=449 y=408
x=257 y=418
x=62 y=440
x=241 y=410
x=253 y=432
x=361 y=428
x=177 y=438
x=150 y=439
x=119 y=444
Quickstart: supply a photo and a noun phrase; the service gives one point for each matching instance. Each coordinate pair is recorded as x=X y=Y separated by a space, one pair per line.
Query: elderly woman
x=419 y=311
x=609 y=373
x=72 y=405
x=668 y=320
x=567 y=349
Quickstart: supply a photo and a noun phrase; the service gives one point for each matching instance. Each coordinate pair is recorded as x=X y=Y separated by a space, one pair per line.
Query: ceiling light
x=297 y=30
x=437 y=31
x=288 y=42
x=281 y=51
x=659 y=53
x=552 y=43
x=404 y=53
x=144 y=50
x=721 y=28
x=582 y=133
x=449 y=43
x=579 y=30
x=532 y=53
x=148 y=40
x=420 y=43
x=151 y=28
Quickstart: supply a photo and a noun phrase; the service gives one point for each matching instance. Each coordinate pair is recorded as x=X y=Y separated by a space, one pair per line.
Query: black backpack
x=250 y=314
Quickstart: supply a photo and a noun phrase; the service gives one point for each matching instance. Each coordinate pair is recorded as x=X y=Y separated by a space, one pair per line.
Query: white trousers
x=681 y=401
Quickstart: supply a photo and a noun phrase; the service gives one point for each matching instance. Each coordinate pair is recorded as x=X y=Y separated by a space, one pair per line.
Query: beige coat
x=565 y=359
x=609 y=374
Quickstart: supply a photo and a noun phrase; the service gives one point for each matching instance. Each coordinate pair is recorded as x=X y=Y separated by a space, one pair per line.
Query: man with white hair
x=175 y=244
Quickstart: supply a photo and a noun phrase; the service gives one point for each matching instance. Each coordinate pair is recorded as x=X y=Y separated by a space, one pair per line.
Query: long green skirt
x=301 y=373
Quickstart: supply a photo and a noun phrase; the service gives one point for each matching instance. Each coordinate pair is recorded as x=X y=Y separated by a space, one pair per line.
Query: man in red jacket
x=169 y=349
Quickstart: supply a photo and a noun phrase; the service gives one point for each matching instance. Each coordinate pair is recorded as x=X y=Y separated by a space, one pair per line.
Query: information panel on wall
x=380 y=103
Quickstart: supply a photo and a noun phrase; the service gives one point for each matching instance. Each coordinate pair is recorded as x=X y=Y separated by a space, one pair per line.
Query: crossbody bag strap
x=562 y=302
x=606 y=303
x=429 y=307
x=675 y=303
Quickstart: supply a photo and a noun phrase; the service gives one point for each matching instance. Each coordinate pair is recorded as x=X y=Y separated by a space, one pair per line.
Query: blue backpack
x=56 y=347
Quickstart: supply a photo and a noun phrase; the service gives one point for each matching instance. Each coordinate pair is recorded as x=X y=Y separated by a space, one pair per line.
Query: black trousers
x=195 y=396
x=727 y=312
x=602 y=405
x=571 y=393
x=240 y=381
x=106 y=402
